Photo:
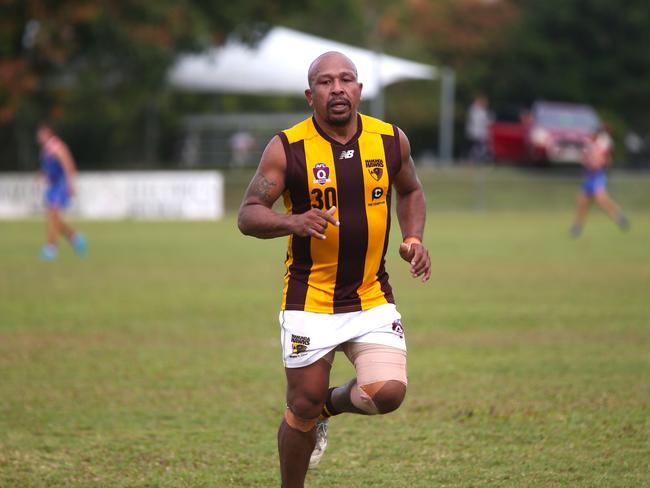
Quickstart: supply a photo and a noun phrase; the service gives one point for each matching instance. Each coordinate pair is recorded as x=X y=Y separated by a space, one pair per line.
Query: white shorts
x=308 y=336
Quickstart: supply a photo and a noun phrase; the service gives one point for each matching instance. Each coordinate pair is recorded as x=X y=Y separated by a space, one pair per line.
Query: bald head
x=334 y=91
x=323 y=60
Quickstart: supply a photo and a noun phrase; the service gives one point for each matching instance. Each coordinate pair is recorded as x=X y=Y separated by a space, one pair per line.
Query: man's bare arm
x=256 y=215
x=411 y=213
x=64 y=156
x=411 y=209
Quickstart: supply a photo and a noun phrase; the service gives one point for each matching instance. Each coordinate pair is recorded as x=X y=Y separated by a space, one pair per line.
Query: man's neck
x=340 y=133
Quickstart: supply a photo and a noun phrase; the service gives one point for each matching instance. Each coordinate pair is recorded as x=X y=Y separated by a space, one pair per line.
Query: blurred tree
x=461 y=34
x=517 y=51
x=341 y=20
x=456 y=33
x=594 y=51
x=100 y=66
x=97 y=67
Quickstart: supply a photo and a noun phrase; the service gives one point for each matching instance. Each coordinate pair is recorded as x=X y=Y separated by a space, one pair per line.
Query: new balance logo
x=347 y=154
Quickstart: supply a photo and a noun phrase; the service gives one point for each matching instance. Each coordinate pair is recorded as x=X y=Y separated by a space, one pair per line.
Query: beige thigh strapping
x=376 y=362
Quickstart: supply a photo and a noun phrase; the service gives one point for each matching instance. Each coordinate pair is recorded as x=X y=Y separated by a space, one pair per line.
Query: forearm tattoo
x=262 y=187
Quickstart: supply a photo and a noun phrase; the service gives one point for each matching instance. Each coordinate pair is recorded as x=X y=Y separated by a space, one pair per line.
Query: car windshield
x=567 y=118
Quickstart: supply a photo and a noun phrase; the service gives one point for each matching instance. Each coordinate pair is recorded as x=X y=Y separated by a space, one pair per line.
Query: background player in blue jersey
x=594 y=186
x=59 y=171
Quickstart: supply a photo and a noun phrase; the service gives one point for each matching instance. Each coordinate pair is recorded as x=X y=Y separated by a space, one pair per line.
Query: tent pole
x=446 y=125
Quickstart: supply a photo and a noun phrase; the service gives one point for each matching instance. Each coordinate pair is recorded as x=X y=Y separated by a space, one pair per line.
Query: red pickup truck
x=550 y=132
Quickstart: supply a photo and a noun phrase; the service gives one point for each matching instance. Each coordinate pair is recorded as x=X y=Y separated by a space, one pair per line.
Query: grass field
x=155 y=361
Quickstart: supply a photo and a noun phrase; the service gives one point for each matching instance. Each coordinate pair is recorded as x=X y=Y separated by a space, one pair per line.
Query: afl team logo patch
x=321 y=173
x=398 y=329
x=375 y=168
x=299 y=345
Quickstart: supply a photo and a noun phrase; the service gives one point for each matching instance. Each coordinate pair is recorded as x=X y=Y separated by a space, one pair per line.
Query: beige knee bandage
x=375 y=365
x=361 y=399
x=297 y=423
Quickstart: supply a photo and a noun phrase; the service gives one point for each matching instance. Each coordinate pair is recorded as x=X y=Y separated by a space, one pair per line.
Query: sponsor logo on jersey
x=376 y=197
x=321 y=173
x=347 y=154
x=375 y=168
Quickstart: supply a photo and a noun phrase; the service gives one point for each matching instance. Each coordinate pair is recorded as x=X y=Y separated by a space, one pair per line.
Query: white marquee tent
x=278 y=65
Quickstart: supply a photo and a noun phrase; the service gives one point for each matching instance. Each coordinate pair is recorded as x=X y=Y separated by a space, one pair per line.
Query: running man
x=336 y=172
x=58 y=168
x=594 y=186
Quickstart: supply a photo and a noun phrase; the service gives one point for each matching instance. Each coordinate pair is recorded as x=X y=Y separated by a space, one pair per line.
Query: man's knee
x=390 y=396
x=302 y=412
x=299 y=423
x=306 y=406
x=381 y=377
x=306 y=393
x=379 y=397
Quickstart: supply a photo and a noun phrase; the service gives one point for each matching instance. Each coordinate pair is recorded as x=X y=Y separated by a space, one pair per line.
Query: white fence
x=147 y=195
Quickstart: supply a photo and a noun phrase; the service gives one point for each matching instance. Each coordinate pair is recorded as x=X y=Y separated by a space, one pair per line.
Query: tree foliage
x=98 y=67
x=594 y=51
x=518 y=51
x=101 y=66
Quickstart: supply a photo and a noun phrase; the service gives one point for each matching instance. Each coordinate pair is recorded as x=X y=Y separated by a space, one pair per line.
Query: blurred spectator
x=59 y=170
x=633 y=148
x=477 y=129
x=191 y=149
x=597 y=157
x=242 y=144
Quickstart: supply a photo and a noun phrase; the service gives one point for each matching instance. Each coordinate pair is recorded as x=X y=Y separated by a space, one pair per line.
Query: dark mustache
x=338 y=100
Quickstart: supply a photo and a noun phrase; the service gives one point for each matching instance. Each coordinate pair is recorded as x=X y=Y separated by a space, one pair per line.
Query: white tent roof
x=279 y=64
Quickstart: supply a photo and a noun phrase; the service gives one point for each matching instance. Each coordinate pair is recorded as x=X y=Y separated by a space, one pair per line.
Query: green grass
x=155 y=361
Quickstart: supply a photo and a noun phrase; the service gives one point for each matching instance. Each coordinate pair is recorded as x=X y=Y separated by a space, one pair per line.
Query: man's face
x=334 y=91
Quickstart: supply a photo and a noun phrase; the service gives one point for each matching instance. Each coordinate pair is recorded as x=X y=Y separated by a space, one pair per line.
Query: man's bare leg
x=53 y=226
x=582 y=208
x=386 y=397
x=306 y=393
x=612 y=209
x=66 y=230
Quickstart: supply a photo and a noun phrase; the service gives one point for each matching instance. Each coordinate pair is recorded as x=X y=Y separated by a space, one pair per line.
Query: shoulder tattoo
x=262 y=186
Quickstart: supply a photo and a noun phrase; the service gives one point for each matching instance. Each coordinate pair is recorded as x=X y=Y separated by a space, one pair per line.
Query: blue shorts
x=57 y=196
x=594 y=183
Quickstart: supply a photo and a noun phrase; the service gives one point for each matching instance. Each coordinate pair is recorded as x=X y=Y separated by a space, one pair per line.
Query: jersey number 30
x=323 y=199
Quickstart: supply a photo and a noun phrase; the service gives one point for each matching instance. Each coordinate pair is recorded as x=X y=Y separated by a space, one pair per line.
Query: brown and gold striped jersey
x=345 y=272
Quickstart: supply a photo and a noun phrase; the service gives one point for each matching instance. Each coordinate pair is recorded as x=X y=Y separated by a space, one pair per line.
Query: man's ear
x=309 y=97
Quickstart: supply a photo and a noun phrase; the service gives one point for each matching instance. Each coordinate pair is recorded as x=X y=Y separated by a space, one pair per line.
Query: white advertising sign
x=147 y=195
